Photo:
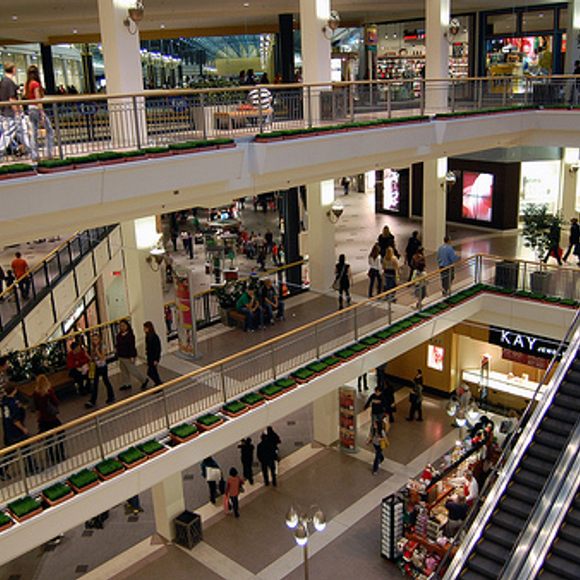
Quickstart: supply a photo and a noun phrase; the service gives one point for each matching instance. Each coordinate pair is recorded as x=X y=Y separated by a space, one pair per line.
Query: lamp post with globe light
x=300 y=522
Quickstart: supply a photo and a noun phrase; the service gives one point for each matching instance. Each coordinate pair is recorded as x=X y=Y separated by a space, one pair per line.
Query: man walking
x=11 y=116
x=20 y=268
x=416 y=397
x=267 y=457
x=246 y=448
x=573 y=240
x=446 y=257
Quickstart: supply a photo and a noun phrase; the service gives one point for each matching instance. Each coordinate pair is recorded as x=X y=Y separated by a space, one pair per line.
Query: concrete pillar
x=286 y=50
x=47 y=69
x=122 y=57
x=320 y=245
x=168 y=503
x=316 y=51
x=89 y=85
x=438 y=14
x=325 y=417
x=143 y=277
x=569 y=192
x=572 y=36
x=434 y=203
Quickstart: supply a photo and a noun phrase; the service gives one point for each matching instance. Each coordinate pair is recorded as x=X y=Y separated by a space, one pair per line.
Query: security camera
x=134 y=16
x=450 y=178
x=334 y=20
x=335 y=212
x=574 y=168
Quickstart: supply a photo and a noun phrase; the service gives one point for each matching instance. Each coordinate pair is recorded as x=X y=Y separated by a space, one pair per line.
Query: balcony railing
x=31 y=464
x=96 y=123
x=21 y=297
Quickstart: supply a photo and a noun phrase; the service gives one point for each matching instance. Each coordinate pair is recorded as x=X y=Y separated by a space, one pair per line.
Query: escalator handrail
x=519 y=440
x=544 y=525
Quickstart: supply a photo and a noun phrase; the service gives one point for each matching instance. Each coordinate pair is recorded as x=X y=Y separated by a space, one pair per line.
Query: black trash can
x=506 y=275
x=188 y=530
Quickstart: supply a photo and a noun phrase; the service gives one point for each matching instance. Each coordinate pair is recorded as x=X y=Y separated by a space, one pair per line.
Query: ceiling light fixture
x=15 y=18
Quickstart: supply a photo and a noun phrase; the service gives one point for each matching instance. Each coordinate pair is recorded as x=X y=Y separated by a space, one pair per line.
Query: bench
x=239 y=118
x=236 y=319
x=61 y=382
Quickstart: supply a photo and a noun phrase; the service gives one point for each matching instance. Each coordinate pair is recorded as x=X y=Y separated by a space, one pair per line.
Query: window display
x=392 y=190
x=435 y=357
x=540 y=184
x=477 y=196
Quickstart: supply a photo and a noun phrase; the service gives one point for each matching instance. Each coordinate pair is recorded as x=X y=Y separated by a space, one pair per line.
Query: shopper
x=420 y=279
x=267 y=456
x=13 y=130
x=249 y=306
x=375 y=270
x=211 y=472
x=573 y=240
x=46 y=404
x=471 y=488
x=345 y=182
x=34 y=91
x=100 y=371
x=390 y=273
x=554 y=250
x=413 y=246
x=234 y=486
x=379 y=440
x=458 y=510
x=77 y=363
x=274 y=439
x=134 y=505
x=153 y=352
x=416 y=398
x=127 y=353
x=388 y=400
x=246 y=448
x=446 y=257
x=13 y=417
x=271 y=301
x=375 y=402
x=342 y=281
x=21 y=272
x=386 y=240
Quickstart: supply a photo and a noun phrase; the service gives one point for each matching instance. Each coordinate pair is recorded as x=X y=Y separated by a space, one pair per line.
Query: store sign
x=530 y=360
x=524 y=343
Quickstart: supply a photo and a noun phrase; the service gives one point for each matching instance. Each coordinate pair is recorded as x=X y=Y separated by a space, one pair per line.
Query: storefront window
x=392 y=190
x=520 y=55
x=502 y=23
x=540 y=184
x=477 y=196
x=538 y=20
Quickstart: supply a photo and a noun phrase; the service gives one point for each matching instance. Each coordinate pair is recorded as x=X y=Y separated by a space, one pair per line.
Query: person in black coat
x=412 y=248
x=573 y=240
x=267 y=457
x=153 y=352
x=247 y=456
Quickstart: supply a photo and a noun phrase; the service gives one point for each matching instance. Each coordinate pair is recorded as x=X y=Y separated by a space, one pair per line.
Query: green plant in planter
x=150 y=447
x=303 y=374
x=184 y=431
x=209 y=420
x=330 y=361
x=345 y=353
x=109 y=155
x=92 y=158
x=536 y=231
x=317 y=367
x=54 y=163
x=108 y=467
x=24 y=506
x=271 y=390
x=370 y=341
x=56 y=491
x=16 y=168
x=20 y=367
x=154 y=150
x=285 y=383
x=131 y=455
x=83 y=478
x=4 y=520
x=235 y=407
x=252 y=399
x=134 y=153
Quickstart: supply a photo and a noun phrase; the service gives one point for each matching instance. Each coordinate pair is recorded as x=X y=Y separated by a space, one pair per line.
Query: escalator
x=499 y=537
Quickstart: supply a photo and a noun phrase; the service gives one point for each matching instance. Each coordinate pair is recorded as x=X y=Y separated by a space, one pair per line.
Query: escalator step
x=562 y=414
x=507 y=521
x=569 y=388
x=567 y=402
x=573 y=518
x=543 y=452
x=523 y=493
x=501 y=536
x=572 y=376
x=564 y=568
x=484 y=566
x=529 y=478
x=566 y=550
x=557 y=427
x=570 y=533
x=471 y=575
x=515 y=507
x=492 y=550
x=575 y=365
x=551 y=440
x=538 y=465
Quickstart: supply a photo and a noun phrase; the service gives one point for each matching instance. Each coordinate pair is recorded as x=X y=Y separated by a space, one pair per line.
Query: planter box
x=111 y=468
x=253 y=400
x=237 y=408
x=64 y=493
x=46 y=170
x=331 y=362
x=286 y=384
x=271 y=392
x=132 y=457
x=303 y=375
x=226 y=146
x=183 y=433
x=158 y=154
x=208 y=427
x=17 y=174
x=112 y=161
x=25 y=508
x=317 y=367
x=152 y=448
x=5 y=522
x=87 y=165
x=76 y=481
x=345 y=354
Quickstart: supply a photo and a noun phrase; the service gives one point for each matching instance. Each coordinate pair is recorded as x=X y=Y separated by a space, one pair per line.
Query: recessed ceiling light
x=75 y=31
x=15 y=17
x=162 y=26
x=246 y=4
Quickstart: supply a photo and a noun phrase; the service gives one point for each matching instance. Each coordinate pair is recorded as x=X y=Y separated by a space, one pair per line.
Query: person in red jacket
x=77 y=363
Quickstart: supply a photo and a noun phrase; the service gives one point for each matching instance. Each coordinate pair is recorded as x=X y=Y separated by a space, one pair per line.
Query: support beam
x=168 y=503
x=325 y=418
x=286 y=46
x=572 y=36
x=434 y=203
x=569 y=183
x=438 y=13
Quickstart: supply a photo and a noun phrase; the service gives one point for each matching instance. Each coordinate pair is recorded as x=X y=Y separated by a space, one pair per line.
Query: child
x=234 y=486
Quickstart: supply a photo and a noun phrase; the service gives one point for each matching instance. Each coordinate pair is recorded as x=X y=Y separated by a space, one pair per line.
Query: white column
x=320 y=246
x=325 y=417
x=434 y=203
x=143 y=278
x=438 y=13
x=569 y=183
x=122 y=57
x=168 y=503
x=316 y=51
x=572 y=36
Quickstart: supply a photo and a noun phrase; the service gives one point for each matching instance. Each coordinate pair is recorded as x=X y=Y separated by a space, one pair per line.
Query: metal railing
x=21 y=297
x=50 y=456
x=513 y=450
x=95 y=123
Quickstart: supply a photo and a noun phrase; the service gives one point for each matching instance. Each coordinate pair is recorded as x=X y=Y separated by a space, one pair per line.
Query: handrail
x=160 y=388
x=501 y=473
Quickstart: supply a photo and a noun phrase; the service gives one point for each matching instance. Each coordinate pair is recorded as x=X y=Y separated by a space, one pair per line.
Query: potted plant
x=55 y=165
x=183 y=433
x=235 y=408
x=331 y=361
x=135 y=155
x=270 y=392
x=152 y=448
x=109 y=468
x=5 y=522
x=371 y=342
x=25 y=508
x=345 y=354
x=87 y=161
x=539 y=228
x=303 y=375
x=110 y=158
x=286 y=383
x=83 y=480
x=209 y=421
x=253 y=400
x=132 y=457
x=155 y=152
x=57 y=493
x=16 y=170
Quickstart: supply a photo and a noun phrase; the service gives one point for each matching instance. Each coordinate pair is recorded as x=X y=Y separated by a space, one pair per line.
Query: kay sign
x=521 y=342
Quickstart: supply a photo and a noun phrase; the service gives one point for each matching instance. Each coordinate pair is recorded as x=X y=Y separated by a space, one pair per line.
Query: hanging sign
x=522 y=342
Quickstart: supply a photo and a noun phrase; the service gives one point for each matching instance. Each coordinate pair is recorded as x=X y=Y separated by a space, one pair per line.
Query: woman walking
x=234 y=486
x=127 y=353
x=390 y=272
x=386 y=240
x=379 y=440
x=153 y=352
x=375 y=270
x=38 y=118
x=342 y=281
x=100 y=370
x=46 y=404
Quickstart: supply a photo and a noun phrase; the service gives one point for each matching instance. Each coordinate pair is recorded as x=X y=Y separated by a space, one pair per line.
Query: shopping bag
x=213 y=474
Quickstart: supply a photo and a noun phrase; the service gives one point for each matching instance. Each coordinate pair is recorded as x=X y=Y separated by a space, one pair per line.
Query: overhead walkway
x=185 y=420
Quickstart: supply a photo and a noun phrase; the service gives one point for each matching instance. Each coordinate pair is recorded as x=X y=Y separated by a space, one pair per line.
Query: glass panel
x=563 y=19
x=538 y=20
x=502 y=23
